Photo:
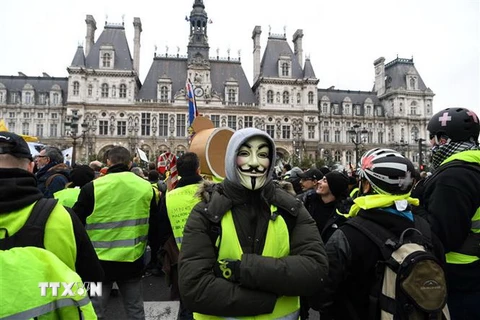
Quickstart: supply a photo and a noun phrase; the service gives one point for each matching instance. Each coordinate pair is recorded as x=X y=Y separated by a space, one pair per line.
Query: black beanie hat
x=337 y=183
x=81 y=175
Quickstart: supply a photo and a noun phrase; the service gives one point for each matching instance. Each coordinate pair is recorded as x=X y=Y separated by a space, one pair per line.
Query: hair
x=188 y=164
x=152 y=166
x=153 y=176
x=96 y=165
x=118 y=155
x=54 y=154
x=287 y=167
x=138 y=171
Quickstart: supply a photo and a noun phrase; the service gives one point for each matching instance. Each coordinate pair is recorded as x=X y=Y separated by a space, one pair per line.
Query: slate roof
x=397 y=71
x=175 y=69
x=277 y=46
x=308 y=70
x=111 y=35
x=39 y=84
x=79 y=58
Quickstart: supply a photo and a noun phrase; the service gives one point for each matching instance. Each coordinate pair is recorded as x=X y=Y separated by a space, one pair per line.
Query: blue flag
x=192 y=103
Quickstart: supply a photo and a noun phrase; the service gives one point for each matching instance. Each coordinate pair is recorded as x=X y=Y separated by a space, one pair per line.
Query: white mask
x=253 y=162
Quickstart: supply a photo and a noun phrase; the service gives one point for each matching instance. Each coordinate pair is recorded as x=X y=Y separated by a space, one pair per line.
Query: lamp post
x=358 y=137
x=420 y=150
x=73 y=134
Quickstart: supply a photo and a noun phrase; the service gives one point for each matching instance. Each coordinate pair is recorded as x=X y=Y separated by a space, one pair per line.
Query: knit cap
x=337 y=183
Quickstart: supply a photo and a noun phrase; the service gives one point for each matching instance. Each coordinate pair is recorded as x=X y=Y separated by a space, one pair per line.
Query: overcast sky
x=342 y=37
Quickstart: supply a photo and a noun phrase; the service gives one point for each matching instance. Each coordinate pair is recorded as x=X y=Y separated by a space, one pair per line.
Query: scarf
x=442 y=152
x=381 y=201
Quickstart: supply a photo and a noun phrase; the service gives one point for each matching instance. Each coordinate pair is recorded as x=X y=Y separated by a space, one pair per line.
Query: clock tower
x=198 y=51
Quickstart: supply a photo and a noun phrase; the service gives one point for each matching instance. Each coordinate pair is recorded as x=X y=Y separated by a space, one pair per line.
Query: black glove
x=227 y=269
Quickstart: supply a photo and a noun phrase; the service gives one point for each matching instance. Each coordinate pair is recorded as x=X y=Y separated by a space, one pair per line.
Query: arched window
x=413 y=107
x=163 y=93
x=232 y=96
x=285 y=69
x=106 y=58
x=123 y=90
x=286 y=97
x=76 y=88
x=104 y=90
x=269 y=96
x=349 y=156
x=326 y=136
x=90 y=89
x=337 y=156
x=310 y=97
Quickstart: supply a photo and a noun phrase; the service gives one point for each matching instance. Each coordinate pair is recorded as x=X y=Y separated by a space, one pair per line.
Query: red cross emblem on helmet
x=367 y=162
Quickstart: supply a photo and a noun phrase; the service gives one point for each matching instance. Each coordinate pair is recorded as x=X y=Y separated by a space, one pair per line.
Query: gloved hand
x=227 y=269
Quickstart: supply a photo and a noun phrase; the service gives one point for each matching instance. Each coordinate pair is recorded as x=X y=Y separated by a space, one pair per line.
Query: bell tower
x=198 y=49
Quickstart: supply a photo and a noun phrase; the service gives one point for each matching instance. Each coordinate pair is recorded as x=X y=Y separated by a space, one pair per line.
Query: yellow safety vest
x=180 y=202
x=59 y=236
x=118 y=226
x=456 y=257
x=20 y=291
x=277 y=245
x=67 y=197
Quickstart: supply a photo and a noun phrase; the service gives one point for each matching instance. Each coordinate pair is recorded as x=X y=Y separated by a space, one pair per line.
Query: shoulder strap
x=454 y=163
x=53 y=176
x=33 y=231
x=424 y=227
x=383 y=238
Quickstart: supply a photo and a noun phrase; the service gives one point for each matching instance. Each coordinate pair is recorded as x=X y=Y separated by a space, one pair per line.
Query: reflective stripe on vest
x=456 y=257
x=180 y=202
x=277 y=245
x=67 y=197
x=42 y=266
x=118 y=226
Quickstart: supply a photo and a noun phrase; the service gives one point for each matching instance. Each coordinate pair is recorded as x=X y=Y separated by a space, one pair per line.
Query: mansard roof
x=396 y=72
x=175 y=69
x=112 y=35
x=356 y=97
x=40 y=84
x=308 y=70
x=278 y=46
x=79 y=58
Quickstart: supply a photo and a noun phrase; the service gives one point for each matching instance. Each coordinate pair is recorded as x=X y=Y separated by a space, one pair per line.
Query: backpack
x=27 y=245
x=410 y=281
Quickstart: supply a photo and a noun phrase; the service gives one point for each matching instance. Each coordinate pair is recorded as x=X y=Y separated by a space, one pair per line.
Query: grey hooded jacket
x=262 y=279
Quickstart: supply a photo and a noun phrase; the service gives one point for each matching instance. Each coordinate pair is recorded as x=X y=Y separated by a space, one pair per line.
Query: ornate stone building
x=104 y=98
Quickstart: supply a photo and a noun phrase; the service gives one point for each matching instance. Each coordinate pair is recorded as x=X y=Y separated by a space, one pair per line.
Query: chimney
x=137 y=24
x=297 y=46
x=257 y=31
x=90 y=37
x=379 y=65
x=45 y=75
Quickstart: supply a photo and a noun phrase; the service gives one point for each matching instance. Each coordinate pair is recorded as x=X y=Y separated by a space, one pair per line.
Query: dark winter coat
x=352 y=259
x=262 y=279
x=48 y=183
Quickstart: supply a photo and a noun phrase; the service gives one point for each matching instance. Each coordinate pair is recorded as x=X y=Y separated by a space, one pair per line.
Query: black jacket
x=18 y=189
x=262 y=278
x=352 y=259
x=450 y=199
x=118 y=270
x=57 y=183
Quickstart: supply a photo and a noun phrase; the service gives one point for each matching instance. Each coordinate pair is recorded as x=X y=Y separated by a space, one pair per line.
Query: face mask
x=253 y=163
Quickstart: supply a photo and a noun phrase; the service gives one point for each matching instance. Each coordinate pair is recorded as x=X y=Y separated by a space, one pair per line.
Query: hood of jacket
x=236 y=141
x=18 y=188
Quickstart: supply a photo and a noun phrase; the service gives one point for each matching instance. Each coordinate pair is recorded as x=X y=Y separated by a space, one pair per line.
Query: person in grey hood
x=249 y=248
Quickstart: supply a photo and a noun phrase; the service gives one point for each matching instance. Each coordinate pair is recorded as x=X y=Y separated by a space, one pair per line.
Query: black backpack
x=410 y=281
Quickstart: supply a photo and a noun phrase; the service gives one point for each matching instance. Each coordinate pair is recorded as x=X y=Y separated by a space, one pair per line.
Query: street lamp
x=420 y=151
x=358 y=137
x=73 y=134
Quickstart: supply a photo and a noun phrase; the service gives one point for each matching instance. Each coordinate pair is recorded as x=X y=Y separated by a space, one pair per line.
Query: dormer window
x=107 y=56
x=285 y=66
x=232 y=96
x=413 y=83
x=285 y=69
x=164 y=93
x=164 y=89
x=231 y=91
